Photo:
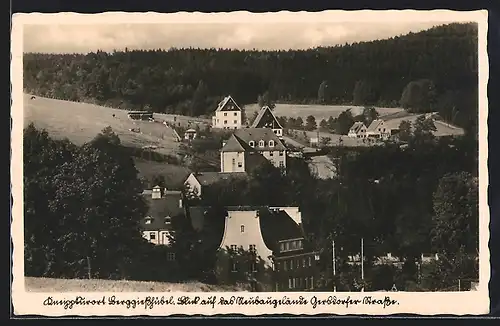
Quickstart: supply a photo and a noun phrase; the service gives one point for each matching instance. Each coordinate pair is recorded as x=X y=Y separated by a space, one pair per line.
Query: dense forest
x=433 y=70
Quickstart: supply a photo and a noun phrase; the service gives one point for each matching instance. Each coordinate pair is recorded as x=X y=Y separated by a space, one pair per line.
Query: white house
x=228 y=115
x=266 y=119
x=248 y=147
x=163 y=206
x=378 y=129
x=358 y=130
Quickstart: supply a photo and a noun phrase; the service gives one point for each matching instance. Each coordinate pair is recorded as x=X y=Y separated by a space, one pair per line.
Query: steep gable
x=266 y=119
x=375 y=125
x=228 y=104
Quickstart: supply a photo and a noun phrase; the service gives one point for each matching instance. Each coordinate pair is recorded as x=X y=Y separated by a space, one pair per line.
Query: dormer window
x=261 y=143
x=251 y=143
x=271 y=143
x=168 y=220
x=148 y=220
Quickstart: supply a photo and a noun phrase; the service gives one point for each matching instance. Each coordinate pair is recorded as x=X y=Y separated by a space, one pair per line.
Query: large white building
x=228 y=115
x=249 y=147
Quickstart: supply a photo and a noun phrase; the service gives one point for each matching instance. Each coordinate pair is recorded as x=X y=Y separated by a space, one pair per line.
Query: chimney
x=156 y=193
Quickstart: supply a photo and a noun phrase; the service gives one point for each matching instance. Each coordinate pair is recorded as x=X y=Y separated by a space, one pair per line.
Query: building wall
x=232 y=119
x=251 y=235
x=275 y=158
x=193 y=184
x=157 y=237
x=296 y=273
x=232 y=162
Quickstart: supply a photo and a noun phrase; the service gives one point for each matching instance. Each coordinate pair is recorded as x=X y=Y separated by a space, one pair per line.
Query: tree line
x=433 y=70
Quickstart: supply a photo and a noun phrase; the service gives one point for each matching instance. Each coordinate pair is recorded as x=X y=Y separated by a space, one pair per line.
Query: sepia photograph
x=244 y=155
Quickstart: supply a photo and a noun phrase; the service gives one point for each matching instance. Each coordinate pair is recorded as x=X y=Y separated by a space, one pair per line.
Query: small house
x=358 y=130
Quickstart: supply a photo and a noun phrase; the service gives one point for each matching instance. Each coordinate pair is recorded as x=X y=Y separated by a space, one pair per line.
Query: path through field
x=322 y=166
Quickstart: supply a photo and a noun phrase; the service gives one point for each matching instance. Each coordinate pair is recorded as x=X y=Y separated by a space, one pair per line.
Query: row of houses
x=377 y=129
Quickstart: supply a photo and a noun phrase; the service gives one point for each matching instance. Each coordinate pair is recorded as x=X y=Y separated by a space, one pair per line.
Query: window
x=290 y=283
x=148 y=220
x=311 y=282
x=271 y=153
x=291 y=264
x=152 y=235
x=309 y=260
x=261 y=143
x=282 y=164
x=235 y=114
x=253 y=267
x=306 y=280
x=225 y=114
x=240 y=164
x=234 y=161
x=168 y=220
x=171 y=256
x=234 y=266
x=242 y=229
x=225 y=122
x=282 y=246
x=271 y=143
x=304 y=262
x=281 y=153
x=235 y=121
x=278 y=265
x=252 y=248
x=285 y=265
x=252 y=143
x=234 y=247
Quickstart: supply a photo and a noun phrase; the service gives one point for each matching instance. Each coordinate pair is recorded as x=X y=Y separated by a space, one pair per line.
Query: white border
x=476 y=302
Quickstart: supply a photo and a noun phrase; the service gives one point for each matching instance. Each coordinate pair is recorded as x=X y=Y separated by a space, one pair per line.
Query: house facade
x=163 y=206
x=263 y=244
x=358 y=130
x=378 y=129
x=228 y=115
x=266 y=119
x=247 y=148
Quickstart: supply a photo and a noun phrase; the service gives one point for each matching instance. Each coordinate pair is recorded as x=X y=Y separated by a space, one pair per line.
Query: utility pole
x=458 y=285
x=334 y=271
x=362 y=265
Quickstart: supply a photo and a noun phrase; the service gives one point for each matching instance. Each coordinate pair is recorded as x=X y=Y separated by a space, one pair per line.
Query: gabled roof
x=224 y=104
x=275 y=224
x=159 y=209
x=257 y=134
x=235 y=144
x=266 y=119
x=208 y=178
x=374 y=125
x=356 y=127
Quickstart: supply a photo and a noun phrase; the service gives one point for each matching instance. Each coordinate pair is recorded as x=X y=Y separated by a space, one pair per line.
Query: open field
x=175 y=175
x=81 y=122
x=318 y=111
x=39 y=284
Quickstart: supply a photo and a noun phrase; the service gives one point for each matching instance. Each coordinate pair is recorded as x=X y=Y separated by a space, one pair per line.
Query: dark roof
x=374 y=125
x=223 y=105
x=235 y=144
x=266 y=119
x=161 y=208
x=208 y=178
x=257 y=134
x=276 y=225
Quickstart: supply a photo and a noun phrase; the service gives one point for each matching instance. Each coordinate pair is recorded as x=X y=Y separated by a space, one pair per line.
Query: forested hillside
x=431 y=70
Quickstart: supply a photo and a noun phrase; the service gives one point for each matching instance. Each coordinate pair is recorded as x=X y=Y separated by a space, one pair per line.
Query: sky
x=83 y=38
